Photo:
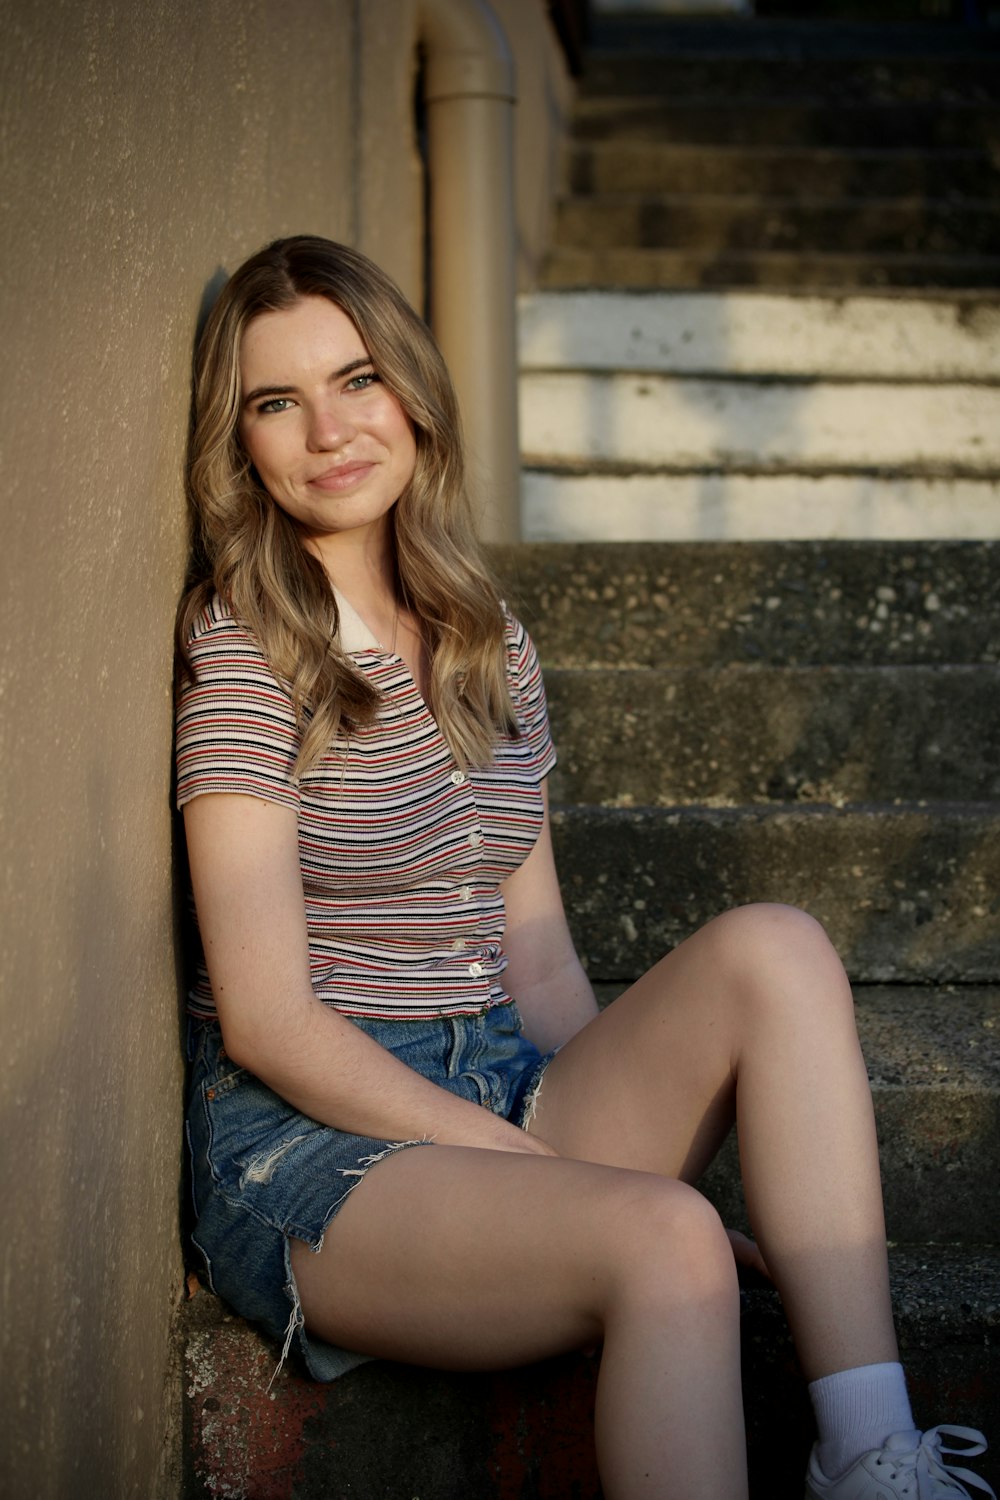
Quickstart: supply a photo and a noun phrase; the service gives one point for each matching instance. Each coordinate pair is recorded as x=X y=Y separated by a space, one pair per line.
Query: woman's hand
x=747 y=1254
x=490 y=1132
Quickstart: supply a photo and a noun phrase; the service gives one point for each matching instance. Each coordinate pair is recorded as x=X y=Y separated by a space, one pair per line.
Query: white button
x=457 y=777
x=457 y=945
x=465 y=892
x=475 y=839
x=475 y=970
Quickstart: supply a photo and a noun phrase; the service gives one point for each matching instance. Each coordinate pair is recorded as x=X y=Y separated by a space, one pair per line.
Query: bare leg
x=752 y=1016
x=467 y=1259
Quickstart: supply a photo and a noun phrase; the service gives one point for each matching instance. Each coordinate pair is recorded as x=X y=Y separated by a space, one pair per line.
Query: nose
x=329 y=427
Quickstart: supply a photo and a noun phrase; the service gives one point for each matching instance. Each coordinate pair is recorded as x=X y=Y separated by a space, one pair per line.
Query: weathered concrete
x=144 y=147
x=646 y=420
x=386 y=1430
x=906 y=894
x=934 y=1061
x=785 y=270
x=932 y=78
x=741 y=734
x=712 y=223
x=721 y=121
x=644 y=167
x=789 y=603
x=849 y=156
x=790 y=39
x=934 y=337
x=613 y=504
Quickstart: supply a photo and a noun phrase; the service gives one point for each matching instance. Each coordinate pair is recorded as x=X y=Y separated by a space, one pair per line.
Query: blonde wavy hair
x=250 y=552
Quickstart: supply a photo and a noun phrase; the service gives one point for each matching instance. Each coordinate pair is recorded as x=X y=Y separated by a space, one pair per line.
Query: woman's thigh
x=651 y=1082
x=466 y=1258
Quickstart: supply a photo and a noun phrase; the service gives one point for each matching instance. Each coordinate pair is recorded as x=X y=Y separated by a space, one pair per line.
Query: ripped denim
x=261 y=1171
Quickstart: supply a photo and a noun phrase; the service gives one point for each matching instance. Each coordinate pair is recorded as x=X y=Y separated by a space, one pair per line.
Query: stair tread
x=683 y=421
x=715 y=76
x=813 y=270
x=951 y=175
x=640 y=603
x=529 y=1430
x=708 y=506
x=907 y=892
x=986 y=472
x=665 y=220
x=933 y=336
x=749 y=202
x=775 y=735
x=787 y=121
x=788 y=38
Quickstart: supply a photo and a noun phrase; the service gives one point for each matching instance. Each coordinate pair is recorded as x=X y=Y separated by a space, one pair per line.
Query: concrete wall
x=148 y=145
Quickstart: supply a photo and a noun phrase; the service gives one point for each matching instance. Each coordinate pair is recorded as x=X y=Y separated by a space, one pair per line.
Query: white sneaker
x=911 y=1466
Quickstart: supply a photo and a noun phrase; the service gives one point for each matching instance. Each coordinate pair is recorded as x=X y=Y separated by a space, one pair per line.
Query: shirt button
x=465 y=893
x=457 y=777
x=457 y=944
x=475 y=970
x=475 y=839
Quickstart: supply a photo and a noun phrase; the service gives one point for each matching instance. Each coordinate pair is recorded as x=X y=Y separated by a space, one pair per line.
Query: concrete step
x=609 y=505
x=652 y=167
x=651 y=420
x=933 y=1059
x=712 y=74
x=714 y=222
x=834 y=270
x=932 y=337
x=784 y=603
x=910 y=893
x=798 y=123
x=733 y=735
x=793 y=38
x=392 y=1431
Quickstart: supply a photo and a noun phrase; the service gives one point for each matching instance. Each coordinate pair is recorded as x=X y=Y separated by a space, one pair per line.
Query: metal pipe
x=469 y=94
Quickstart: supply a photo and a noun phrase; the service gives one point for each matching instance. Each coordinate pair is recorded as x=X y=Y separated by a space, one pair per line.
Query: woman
x=362 y=747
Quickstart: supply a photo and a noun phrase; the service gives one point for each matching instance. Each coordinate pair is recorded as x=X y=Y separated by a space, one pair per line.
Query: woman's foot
x=910 y=1466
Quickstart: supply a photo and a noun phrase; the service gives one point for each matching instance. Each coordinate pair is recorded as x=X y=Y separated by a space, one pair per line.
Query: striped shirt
x=402 y=853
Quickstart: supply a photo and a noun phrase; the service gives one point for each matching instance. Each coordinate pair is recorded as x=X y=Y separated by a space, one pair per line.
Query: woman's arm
x=243 y=853
x=544 y=974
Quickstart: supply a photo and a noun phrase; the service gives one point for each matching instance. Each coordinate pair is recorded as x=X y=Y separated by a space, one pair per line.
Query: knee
x=769 y=928
x=673 y=1245
x=780 y=955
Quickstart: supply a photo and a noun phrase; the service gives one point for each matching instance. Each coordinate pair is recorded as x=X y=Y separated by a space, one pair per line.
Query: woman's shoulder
x=213 y=617
x=524 y=672
x=520 y=647
x=220 y=645
x=215 y=623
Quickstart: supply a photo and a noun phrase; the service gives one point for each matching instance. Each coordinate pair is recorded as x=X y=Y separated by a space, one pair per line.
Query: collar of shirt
x=355 y=635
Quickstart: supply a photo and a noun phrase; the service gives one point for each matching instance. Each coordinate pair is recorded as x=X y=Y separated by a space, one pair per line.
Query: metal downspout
x=469 y=93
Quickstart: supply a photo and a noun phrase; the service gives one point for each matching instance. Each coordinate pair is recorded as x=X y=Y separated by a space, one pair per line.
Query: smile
x=343 y=477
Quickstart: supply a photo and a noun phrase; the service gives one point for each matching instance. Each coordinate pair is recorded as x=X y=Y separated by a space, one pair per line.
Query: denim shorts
x=261 y=1171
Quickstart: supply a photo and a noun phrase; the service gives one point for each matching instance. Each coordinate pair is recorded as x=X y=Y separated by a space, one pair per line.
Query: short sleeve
x=236 y=729
x=527 y=689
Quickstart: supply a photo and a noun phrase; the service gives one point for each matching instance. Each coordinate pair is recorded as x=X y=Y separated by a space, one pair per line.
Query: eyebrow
x=289 y=390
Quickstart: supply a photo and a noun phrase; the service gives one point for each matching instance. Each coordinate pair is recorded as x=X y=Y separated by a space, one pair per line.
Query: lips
x=341 y=477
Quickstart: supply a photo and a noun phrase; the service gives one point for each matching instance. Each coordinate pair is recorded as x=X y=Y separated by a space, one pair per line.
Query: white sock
x=856 y=1410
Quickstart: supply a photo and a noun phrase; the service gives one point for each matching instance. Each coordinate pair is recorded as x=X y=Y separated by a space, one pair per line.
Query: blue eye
x=274 y=403
x=363 y=381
